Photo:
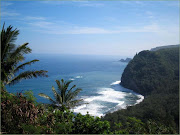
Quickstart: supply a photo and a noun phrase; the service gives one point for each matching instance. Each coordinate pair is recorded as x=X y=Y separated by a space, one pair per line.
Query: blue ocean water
x=98 y=76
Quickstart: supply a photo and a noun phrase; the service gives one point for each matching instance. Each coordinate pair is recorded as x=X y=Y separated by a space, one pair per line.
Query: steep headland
x=152 y=71
x=154 y=74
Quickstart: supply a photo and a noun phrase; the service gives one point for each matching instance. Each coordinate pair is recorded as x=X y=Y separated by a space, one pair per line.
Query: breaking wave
x=79 y=77
x=108 y=100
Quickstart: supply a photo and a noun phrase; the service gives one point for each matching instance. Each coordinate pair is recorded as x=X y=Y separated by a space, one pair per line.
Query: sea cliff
x=154 y=74
x=152 y=71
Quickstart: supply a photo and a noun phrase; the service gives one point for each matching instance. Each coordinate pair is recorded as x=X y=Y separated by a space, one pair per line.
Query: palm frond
x=59 y=85
x=72 y=95
x=70 y=90
x=69 y=93
x=60 y=100
x=75 y=103
x=20 y=51
x=28 y=75
x=4 y=77
x=7 y=70
x=72 y=87
x=67 y=84
x=12 y=55
x=75 y=93
x=8 y=37
x=13 y=35
x=47 y=97
x=61 y=88
x=64 y=98
x=62 y=80
x=24 y=64
x=56 y=96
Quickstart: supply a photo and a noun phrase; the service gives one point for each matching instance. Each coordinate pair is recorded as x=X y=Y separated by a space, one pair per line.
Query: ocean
x=98 y=76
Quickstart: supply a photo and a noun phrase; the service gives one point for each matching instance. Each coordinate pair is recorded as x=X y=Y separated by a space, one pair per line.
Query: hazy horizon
x=110 y=28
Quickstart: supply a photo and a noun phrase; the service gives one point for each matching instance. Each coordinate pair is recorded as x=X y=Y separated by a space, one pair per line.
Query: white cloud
x=139 y=3
x=42 y=24
x=52 y=2
x=80 y=3
x=34 y=18
x=5 y=3
x=173 y=4
x=133 y=3
x=9 y=13
x=89 y=4
x=150 y=14
x=151 y=28
x=95 y=30
x=5 y=12
x=165 y=34
x=147 y=28
x=87 y=30
x=62 y=28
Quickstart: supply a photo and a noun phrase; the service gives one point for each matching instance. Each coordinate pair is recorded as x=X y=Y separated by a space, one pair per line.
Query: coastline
x=119 y=96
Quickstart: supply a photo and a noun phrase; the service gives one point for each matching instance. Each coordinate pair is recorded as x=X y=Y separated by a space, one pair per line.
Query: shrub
x=15 y=111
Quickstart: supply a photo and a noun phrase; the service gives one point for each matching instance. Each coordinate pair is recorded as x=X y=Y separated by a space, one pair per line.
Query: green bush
x=90 y=125
x=131 y=126
x=21 y=114
x=15 y=111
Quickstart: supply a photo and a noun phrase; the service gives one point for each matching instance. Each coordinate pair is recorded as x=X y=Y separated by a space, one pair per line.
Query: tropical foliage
x=15 y=111
x=64 y=96
x=20 y=115
x=12 y=57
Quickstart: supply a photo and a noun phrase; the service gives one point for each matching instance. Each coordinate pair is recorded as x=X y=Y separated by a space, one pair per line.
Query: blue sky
x=93 y=27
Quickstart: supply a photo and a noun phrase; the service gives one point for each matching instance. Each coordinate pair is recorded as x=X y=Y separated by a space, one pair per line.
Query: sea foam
x=116 y=82
x=141 y=98
x=117 y=95
x=92 y=109
x=95 y=103
x=79 y=77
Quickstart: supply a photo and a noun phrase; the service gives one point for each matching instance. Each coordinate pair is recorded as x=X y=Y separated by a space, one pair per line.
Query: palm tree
x=11 y=56
x=64 y=96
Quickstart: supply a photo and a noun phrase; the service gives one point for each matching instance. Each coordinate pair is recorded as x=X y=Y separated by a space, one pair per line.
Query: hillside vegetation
x=156 y=72
x=156 y=76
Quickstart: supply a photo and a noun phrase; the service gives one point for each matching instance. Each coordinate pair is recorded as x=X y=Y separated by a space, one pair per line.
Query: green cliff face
x=156 y=71
x=154 y=74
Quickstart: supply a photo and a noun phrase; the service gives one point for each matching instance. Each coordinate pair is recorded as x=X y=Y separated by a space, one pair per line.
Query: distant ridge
x=163 y=47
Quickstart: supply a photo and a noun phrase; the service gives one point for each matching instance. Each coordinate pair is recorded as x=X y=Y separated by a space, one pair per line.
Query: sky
x=93 y=27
